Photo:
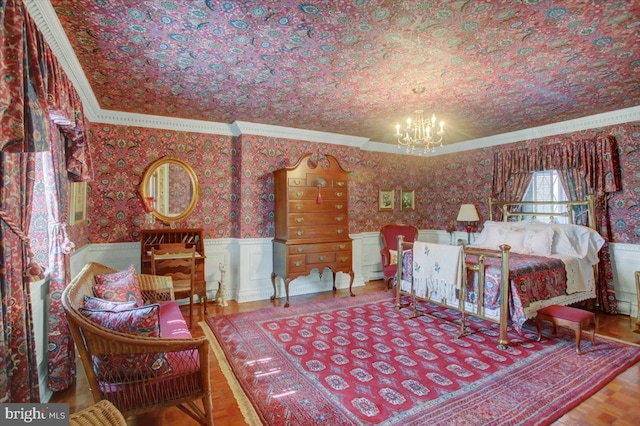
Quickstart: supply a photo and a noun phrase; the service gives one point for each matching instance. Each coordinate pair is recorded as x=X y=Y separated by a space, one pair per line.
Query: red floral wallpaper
x=236 y=181
x=121 y=155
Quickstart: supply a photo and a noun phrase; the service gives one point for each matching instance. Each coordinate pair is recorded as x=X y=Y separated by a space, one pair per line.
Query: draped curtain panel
x=61 y=352
x=18 y=364
x=35 y=98
x=586 y=167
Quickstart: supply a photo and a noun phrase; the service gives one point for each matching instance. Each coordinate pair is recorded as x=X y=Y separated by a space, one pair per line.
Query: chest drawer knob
x=343 y=259
x=299 y=206
x=297 y=263
x=340 y=183
x=299 y=233
x=299 y=219
x=339 y=218
x=322 y=258
x=300 y=249
x=299 y=193
x=342 y=246
x=339 y=206
x=339 y=194
x=339 y=231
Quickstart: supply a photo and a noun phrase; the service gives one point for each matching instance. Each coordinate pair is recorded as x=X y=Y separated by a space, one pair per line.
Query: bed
x=530 y=257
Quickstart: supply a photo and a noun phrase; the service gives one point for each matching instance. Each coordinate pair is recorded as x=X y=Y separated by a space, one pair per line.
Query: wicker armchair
x=102 y=413
x=183 y=382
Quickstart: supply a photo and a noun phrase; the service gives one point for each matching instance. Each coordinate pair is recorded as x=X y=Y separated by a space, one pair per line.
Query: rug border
x=244 y=403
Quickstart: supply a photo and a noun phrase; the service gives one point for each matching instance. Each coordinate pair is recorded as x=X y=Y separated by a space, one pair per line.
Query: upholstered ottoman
x=566 y=316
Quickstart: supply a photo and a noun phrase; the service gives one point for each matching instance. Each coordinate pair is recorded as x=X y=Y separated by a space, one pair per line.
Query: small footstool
x=566 y=316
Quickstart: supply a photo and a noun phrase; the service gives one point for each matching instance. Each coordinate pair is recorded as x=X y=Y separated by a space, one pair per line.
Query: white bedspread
x=579 y=273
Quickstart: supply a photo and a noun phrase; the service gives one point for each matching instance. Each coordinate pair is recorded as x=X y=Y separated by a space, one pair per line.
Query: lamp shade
x=468 y=213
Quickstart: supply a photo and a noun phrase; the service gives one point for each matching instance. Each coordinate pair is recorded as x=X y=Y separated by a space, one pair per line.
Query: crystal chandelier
x=421 y=135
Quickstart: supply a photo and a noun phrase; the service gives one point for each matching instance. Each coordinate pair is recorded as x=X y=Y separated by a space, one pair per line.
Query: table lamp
x=468 y=214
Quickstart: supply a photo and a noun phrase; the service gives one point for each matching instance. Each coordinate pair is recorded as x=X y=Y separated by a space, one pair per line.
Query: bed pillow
x=121 y=286
x=96 y=304
x=515 y=238
x=538 y=240
x=492 y=235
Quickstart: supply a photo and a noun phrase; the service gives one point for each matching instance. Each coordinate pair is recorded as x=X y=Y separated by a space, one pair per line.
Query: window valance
x=596 y=159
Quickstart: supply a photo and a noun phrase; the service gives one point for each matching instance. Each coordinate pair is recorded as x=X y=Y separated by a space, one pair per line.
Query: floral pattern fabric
x=141 y=321
x=531 y=278
x=121 y=286
x=36 y=98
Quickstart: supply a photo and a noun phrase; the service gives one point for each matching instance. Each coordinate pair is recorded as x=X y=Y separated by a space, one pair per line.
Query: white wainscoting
x=249 y=264
x=122 y=255
x=626 y=260
x=253 y=266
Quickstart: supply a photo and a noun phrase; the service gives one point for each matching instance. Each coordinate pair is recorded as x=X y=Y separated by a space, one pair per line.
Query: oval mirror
x=169 y=189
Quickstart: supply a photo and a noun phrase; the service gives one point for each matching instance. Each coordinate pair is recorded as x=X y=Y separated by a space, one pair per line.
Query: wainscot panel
x=625 y=262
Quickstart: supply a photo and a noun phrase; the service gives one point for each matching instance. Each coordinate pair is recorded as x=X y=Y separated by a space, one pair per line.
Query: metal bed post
x=503 y=341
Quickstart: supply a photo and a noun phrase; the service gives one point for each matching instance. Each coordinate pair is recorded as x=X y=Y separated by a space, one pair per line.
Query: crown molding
x=247 y=128
x=47 y=21
x=162 y=122
x=584 y=123
x=612 y=118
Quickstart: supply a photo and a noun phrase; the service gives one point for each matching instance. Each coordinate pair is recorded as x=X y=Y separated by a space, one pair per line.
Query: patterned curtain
x=18 y=364
x=34 y=93
x=586 y=167
x=23 y=130
x=61 y=352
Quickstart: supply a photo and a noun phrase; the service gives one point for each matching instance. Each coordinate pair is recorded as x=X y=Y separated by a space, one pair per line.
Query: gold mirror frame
x=145 y=188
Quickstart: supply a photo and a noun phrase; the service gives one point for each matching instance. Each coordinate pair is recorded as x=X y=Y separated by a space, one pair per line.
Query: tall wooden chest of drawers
x=311 y=221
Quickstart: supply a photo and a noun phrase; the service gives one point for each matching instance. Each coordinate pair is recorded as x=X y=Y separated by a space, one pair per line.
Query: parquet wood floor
x=615 y=404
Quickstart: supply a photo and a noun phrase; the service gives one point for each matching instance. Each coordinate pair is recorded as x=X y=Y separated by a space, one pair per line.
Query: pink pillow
x=96 y=304
x=121 y=286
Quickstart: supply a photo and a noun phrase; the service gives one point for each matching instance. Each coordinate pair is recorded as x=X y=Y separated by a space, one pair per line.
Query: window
x=545 y=186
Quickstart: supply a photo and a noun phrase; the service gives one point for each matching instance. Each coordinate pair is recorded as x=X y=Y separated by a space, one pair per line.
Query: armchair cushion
x=120 y=286
x=142 y=321
x=97 y=304
x=393 y=257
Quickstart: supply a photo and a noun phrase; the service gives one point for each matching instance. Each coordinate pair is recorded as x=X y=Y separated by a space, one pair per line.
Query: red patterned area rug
x=358 y=361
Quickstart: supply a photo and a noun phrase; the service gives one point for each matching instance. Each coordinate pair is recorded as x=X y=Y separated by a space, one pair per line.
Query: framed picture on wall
x=77 y=202
x=385 y=200
x=407 y=200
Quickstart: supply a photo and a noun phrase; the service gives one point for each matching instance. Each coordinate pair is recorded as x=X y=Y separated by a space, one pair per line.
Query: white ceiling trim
x=161 y=122
x=47 y=21
x=247 y=128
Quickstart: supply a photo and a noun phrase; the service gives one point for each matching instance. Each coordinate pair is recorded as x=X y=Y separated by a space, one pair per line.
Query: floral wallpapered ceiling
x=349 y=67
